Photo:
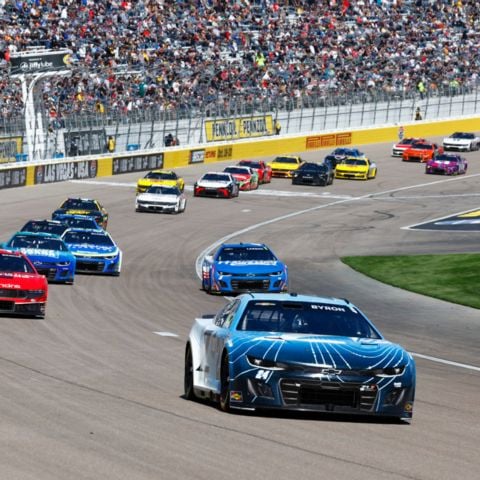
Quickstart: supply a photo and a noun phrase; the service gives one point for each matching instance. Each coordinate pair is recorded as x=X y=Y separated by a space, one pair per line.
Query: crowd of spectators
x=130 y=55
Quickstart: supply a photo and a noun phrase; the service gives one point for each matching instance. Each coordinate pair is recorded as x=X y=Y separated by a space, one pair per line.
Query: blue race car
x=48 y=253
x=244 y=267
x=77 y=221
x=95 y=251
x=297 y=352
x=45 y=226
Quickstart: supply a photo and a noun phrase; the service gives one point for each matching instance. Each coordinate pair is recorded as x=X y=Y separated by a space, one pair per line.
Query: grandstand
x=158 y=60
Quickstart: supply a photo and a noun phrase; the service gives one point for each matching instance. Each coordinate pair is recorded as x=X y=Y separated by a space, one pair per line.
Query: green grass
x=454 y=278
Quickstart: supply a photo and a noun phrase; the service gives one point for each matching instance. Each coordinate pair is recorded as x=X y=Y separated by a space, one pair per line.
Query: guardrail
x=91 y=166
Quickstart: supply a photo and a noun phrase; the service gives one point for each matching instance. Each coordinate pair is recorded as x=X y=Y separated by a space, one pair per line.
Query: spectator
x=278 y=127
x=110 y=144
x=418 y=114
x=169 y=140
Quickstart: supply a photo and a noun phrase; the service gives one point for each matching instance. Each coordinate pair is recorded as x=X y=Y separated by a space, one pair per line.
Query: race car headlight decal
x=388 y=371
x=63 y=264
x=223 y=274
x=34 y=293
x=264 y=363
x=276 y=274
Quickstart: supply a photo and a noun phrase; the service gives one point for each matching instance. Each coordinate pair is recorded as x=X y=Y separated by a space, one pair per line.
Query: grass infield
x=454 y=278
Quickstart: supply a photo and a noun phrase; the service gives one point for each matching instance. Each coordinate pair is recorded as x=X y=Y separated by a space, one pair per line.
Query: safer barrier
x=17 y=175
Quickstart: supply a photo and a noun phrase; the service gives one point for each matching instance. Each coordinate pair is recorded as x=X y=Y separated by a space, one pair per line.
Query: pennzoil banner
x=244 y=127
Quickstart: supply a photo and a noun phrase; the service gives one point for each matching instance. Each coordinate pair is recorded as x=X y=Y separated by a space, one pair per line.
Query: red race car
x=263 y=170
x=246 y=177
x=421 y=152
x=22 y=290
x=405 y=144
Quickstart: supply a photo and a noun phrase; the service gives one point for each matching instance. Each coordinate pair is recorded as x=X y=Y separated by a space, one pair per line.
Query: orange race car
x=421 y=152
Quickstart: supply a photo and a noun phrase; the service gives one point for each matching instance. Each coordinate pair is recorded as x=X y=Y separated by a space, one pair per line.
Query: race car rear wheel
x=224 y=399
x=189 y=393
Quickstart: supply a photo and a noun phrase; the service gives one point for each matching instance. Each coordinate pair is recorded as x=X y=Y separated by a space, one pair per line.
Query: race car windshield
x=313 y=167
x=92 y=238
x=353 y=161
x=84 y=222
x=286 y=160
x=161 y=175
x=44 y=227
x=306 y=318
x=79 y=204
x=250 y=164
x=240 y=170
x=446 y=158
x=159 y=190
x=11 y=263
x=216 y=177
x=244 y=254
x=38 y=243
x=407 y=141
x=468 y=136
x=422 y=146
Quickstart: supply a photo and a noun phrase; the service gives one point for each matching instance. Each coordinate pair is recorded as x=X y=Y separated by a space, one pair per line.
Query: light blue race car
x=48 y=253
x=243 y=267
x=297 y=352
x=95 y=251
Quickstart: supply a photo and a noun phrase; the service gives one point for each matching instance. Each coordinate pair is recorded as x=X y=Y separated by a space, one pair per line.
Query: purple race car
x=447 y=164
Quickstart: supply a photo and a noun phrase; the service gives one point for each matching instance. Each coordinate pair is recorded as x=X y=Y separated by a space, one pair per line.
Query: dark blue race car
x=297 y=352
x=48 y=253
x=77 y=221
x=95 y=251
x=244 y=267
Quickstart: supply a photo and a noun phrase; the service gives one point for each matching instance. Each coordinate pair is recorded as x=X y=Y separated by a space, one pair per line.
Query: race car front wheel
x=189 y=393
x=224 y=399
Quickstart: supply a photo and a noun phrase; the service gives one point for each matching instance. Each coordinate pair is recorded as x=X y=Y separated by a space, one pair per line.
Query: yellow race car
x=356 y=168
x=285 y=165
x=167 y=178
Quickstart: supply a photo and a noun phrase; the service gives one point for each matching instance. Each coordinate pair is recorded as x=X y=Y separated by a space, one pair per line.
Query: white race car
x=159 y=198
x=464 y=141
x=216 y=184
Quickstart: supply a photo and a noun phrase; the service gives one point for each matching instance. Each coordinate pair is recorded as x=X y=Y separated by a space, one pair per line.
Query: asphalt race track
x=94 y=391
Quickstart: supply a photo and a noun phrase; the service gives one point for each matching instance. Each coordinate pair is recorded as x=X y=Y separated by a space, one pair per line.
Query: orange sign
x=330 y=140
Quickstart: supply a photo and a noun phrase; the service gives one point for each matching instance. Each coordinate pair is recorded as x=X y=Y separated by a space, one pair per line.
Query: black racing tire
x=224 y=397
x=188 y=390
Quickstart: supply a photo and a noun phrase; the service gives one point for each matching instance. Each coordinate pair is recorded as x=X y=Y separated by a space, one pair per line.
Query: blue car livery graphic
x=95 y=251
x=244 y=267
x=298 y=352
x=48 y=253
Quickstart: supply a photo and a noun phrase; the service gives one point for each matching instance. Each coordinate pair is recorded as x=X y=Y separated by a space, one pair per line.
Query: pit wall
x=27 y=174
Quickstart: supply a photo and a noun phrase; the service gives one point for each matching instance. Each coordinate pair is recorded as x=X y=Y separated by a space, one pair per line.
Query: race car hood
x=352 y=168
x=90 y=213
x=284 y=166
x=441 y=164
x=244 y=268
x=42 y=254
x=148 y=182
x=213 y=183
x=91 y=250
x=331 y=352
x=242 y=177
x=22 y=281
x=457 y=141
x=153 y=197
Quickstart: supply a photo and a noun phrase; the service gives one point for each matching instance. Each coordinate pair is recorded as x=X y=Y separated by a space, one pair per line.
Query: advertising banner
x=137 y=163
x=233 y=128
x=60 y=172
x=9 y=147
x=38 y=62
x=15 y=177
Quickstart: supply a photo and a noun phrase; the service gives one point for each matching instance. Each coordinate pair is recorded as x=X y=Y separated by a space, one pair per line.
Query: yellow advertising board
x=9 y=147
x=242 y=127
